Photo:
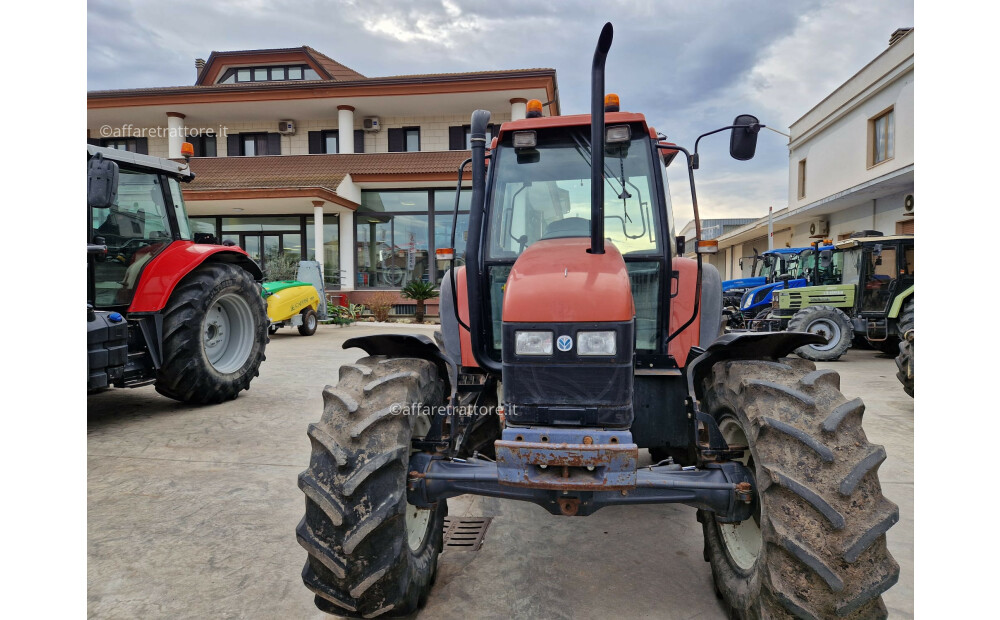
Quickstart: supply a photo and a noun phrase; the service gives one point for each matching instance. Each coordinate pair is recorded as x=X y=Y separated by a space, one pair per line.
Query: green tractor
x=874 y=300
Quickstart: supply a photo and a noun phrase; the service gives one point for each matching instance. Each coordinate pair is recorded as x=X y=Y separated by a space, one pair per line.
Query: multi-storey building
x=298 y=157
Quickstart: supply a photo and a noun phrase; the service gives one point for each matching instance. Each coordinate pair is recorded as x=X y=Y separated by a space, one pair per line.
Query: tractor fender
x=744 y=346
x=409 y=345
x=162 y=274
x=456 y=338
x=897 y=304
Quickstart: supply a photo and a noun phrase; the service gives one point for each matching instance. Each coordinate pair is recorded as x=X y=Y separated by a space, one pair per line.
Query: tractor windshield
x=544 y=193
x=134 y=229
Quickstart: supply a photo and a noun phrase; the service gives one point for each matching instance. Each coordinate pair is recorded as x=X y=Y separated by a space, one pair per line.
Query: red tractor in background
x=575 y=335
x=163 y=307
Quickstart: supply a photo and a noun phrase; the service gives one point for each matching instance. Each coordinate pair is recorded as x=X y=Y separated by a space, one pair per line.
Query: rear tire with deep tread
x=822 y=517
x=187 y=374
x=832 y=323
x=309 y=322
x=904 y=361
x=362 y=560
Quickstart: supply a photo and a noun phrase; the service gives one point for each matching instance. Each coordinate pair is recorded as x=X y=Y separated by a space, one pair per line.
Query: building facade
x=851 y=164
x=298 y=157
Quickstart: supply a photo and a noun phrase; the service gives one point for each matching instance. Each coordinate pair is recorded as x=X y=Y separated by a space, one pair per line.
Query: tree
x=419 y=291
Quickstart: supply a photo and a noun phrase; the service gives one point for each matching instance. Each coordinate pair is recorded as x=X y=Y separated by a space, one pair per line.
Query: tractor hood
x=557 y=280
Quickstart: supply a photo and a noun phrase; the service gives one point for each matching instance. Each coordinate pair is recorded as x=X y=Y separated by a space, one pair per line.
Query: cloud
x=689 y=66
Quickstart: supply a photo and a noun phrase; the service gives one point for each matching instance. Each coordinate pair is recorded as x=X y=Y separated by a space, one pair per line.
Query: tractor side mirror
x=741 y=263
x=825 y=258
x=680 y=245
x=102 y=182
x=743 y=140
x=785 y=277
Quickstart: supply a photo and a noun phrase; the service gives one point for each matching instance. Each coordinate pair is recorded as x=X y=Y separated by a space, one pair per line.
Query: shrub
x=381 y=305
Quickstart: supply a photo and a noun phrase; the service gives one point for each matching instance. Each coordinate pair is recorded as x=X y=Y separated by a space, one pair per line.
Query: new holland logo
x=565 y=343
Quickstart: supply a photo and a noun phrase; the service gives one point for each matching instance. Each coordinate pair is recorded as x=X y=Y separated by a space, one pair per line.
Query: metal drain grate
x=466 y=533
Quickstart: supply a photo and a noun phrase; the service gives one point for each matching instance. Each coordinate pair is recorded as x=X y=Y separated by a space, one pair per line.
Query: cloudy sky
x=689 y=66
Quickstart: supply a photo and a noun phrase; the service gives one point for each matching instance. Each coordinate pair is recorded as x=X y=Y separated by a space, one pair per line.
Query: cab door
x=885 y=274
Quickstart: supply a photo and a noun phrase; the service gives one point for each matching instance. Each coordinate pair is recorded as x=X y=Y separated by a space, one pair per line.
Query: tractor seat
x=568 y=227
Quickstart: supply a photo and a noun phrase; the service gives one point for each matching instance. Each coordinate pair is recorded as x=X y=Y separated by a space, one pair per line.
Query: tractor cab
x=881 y=272
x=145 y=214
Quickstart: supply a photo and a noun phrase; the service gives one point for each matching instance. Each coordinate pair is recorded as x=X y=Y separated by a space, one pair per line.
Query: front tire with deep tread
x=366 y=556
x=830 y=322
x=187 y=373
x=821 y=547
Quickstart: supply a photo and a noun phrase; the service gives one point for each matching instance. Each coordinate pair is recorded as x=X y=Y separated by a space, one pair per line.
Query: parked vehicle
x=801 y=270
x=875 y=300
x=164 y=308
x=292 y=303
x=773 y=264
x=573 y=337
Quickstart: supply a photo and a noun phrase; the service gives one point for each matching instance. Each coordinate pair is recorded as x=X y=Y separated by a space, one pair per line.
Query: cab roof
x=853 y=243
x=574 y=120
x=127 y=159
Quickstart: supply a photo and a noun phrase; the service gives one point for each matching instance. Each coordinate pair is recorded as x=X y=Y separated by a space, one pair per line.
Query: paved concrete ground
x=192 y=511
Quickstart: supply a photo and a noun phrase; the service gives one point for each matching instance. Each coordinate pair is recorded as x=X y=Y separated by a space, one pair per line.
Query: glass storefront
x=396 y=234
x=277 y=242
x=393 y=235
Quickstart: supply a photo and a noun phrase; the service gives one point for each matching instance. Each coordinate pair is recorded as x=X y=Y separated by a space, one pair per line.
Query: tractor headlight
x=532 y=343
x=596 y=343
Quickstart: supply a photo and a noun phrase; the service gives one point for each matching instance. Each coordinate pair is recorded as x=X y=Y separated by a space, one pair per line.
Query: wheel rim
x=418 y=519
x=228 y=333
x=311 y=321
x=829 y=329
x=743 y=540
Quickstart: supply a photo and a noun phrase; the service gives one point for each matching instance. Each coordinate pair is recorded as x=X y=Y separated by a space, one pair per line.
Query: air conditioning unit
x=819 y=228
x=286 y=127
x=908 y=204
x=371 y=124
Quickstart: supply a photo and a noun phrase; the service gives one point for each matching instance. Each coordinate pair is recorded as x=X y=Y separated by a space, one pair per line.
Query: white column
x=175 y=134
x=318 y=230
x=347 y=251
x=729 y=263
x=345 y=128
x=518 y=109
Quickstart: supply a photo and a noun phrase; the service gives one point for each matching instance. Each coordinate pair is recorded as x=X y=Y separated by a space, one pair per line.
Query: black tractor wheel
x=370 y=552
x=904 y=361
x=309 y=322
x=815 y=546
x=272 y=329
x=214 y=333
x=761 y=322
x=828 y=322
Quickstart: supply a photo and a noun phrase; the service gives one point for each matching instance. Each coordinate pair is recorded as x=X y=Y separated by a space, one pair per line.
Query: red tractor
x=575 y=335
x=164 y=307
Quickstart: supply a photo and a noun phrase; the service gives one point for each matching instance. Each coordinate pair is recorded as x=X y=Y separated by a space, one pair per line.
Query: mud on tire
x=832 y=323
x=904 y=361
x=192 y=370
x=821 y=546
x=368 y=555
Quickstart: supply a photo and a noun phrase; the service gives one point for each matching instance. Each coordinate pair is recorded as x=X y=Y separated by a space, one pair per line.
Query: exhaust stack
x=597 y=140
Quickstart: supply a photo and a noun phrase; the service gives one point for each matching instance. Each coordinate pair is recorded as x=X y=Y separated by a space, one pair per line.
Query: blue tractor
x=800 y=269
x=774 y=265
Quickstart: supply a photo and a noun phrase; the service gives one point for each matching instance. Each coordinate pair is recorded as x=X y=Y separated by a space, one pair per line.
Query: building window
x=802 y=178
x=904 y=227
x=204 y=145
x=468 y=136
x=122 y=144
x=881 y=141
x=330 y=141
x=411 y=139
x=268 y=74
